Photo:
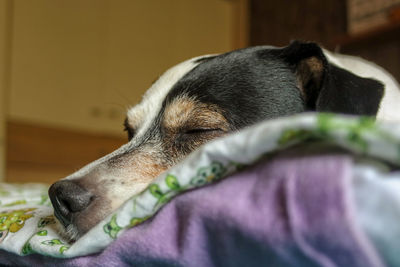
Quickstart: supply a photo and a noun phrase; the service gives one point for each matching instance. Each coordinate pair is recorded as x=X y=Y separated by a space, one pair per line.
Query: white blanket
x=27 y=224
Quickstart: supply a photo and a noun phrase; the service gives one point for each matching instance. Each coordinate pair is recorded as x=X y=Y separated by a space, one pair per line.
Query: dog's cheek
x=136 y=173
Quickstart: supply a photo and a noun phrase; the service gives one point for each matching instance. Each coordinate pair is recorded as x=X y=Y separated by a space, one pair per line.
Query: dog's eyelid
x=201 y=130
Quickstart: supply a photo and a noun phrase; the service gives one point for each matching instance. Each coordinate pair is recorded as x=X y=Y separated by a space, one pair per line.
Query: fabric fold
x=285 y=211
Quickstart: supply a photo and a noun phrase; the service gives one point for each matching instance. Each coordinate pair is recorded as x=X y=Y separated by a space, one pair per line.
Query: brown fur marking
x=187 y=113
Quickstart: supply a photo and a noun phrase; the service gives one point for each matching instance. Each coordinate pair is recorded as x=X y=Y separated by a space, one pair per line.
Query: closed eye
x=202 y=131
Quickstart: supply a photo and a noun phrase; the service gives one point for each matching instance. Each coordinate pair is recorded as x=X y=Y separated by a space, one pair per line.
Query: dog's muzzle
x=68 y=198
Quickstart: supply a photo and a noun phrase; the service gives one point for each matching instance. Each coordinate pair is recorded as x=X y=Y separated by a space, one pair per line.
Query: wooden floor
x=43 y=154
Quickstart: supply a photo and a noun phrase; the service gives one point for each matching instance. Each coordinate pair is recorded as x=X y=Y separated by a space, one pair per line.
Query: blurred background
x=69 y=69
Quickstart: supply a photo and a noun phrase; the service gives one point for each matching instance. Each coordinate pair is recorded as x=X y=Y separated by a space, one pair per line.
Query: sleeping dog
x=208 y=97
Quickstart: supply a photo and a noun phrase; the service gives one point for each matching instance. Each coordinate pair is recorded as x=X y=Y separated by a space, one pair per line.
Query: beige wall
x=80 y=64
x=3 y=63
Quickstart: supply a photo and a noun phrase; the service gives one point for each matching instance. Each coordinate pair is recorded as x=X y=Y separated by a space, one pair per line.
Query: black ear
x=326 y=87
x=310 y=67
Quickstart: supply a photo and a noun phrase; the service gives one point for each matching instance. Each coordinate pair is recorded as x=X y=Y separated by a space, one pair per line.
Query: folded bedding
x=306 y=190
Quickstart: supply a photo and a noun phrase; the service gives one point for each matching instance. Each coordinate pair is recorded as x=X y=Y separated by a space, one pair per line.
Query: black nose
x=68 y=198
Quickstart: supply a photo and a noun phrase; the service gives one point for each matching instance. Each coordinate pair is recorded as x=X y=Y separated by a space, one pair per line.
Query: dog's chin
x=80 y=225
x=69 y=233
x=73 y=231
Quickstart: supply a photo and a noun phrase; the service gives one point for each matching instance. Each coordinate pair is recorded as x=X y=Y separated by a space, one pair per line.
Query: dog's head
x=199 y=100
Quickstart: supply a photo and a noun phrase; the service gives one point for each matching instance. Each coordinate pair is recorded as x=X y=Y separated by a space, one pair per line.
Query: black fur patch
x=345 y=92
x=248 y=87
x=259 y=83
x=328 y=88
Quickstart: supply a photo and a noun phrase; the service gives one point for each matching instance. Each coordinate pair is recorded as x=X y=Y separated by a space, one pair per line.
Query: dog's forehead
x=143 y=114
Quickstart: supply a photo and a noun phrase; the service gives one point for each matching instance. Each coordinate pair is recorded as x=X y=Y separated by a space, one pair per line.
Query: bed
x=305 y=190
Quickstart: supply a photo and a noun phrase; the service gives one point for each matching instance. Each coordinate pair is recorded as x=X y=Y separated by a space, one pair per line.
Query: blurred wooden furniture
x=324 y=22
x=379 y=44
x=279 y=22
x=45 y=154
x=3 y=81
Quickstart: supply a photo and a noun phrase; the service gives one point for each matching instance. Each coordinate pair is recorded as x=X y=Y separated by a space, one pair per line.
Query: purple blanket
x=286 y=211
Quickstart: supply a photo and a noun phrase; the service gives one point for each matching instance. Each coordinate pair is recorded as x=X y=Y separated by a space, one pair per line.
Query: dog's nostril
x=67 y=198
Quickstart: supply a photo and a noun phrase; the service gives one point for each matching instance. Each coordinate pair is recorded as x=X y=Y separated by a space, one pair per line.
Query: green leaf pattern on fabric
x=42 y=233
x=208 y=174
x=52 y=242
x=112 y=228
x=15 y=203
x=63 y=248
x=44 y=200
x=136 y=221
x=56 y=242
x=27 y=249
x=172 y=182
x=12 y=221
x=46 y=221
x=163 y=197
x=156 y=191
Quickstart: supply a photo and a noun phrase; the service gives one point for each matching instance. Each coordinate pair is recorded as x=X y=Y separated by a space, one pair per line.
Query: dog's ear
x=326 y=87
x=309 y=64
